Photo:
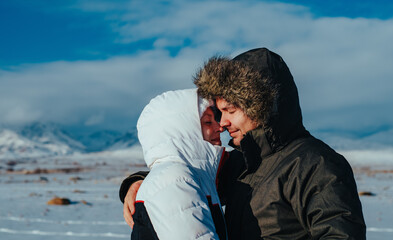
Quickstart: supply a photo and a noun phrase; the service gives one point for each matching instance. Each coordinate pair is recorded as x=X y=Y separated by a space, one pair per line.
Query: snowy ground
x=374 y=173
x=92 y=182
x=92 y=185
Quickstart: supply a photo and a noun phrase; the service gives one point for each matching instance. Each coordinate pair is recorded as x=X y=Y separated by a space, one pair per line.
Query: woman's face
x=210 y=128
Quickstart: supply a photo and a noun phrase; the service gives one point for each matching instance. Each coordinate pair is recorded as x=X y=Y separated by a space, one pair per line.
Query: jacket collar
x=254 y=147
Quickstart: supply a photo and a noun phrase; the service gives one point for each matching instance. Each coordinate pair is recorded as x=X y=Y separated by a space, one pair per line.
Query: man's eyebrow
x=229 y=105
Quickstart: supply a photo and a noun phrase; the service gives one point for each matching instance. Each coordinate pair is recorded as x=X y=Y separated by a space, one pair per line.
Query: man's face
x=210 y=128
x=234 y=120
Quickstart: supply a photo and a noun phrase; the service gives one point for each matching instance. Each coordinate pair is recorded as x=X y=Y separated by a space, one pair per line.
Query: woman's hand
x=129 y=203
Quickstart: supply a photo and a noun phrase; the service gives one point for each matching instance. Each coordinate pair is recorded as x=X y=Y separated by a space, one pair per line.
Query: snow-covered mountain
x=51 y=136
x=16 y=146
x=37 y=140
x=43 y=140
x=340 y=141
x=99 y=140
x=127 y=140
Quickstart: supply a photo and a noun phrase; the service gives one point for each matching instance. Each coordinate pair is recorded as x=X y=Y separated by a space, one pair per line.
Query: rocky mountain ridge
x=43 y=140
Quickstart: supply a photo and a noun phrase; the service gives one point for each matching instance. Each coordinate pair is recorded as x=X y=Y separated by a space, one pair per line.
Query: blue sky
x=95 y=64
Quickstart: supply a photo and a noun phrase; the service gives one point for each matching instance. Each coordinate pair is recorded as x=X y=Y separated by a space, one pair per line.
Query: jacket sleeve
x=126 y=184
x=326 y=200
x=143 y=229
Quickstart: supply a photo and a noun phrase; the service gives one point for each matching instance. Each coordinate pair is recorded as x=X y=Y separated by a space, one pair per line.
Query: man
x=280 y=182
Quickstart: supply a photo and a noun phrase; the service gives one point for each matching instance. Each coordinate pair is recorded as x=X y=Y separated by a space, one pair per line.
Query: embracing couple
x=279 y=182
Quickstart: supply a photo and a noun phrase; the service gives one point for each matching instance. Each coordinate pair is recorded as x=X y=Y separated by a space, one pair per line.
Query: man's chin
x=236 y=141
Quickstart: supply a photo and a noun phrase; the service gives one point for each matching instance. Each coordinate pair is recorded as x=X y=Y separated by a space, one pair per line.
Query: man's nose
x=224 y=122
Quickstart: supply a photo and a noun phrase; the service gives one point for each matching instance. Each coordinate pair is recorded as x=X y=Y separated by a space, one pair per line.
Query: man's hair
x=239 y=85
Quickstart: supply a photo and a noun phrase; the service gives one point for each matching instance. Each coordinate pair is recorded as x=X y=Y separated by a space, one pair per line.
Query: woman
x=178 y=199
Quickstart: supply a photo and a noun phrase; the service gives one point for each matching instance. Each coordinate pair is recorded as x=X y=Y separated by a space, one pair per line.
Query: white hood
x=183 y=167
x=169 y=128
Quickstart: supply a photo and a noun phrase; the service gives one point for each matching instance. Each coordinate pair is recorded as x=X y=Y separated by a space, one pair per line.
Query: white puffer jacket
x=183 y=167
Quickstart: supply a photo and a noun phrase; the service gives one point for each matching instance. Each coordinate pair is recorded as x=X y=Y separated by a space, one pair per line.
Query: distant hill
x=50 y=135
x=42 y=140
x=17 y=146
x=99 y=140
x=125 y=141
x=344 y=141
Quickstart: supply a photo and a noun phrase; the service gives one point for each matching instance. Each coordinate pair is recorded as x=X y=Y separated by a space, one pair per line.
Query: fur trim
x=238 y=84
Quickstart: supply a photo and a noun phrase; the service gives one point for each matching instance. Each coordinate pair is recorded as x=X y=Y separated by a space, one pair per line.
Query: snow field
x=97 y=213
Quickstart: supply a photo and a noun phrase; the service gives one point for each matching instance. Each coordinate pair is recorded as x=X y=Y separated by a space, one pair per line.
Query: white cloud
x=72 y=92
x=342 y=66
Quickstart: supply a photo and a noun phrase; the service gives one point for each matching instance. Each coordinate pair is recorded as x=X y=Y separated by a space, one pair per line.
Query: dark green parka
x=284 y=183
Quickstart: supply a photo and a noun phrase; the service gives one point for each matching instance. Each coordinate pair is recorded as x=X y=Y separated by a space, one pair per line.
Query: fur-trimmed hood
x=260 y=83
